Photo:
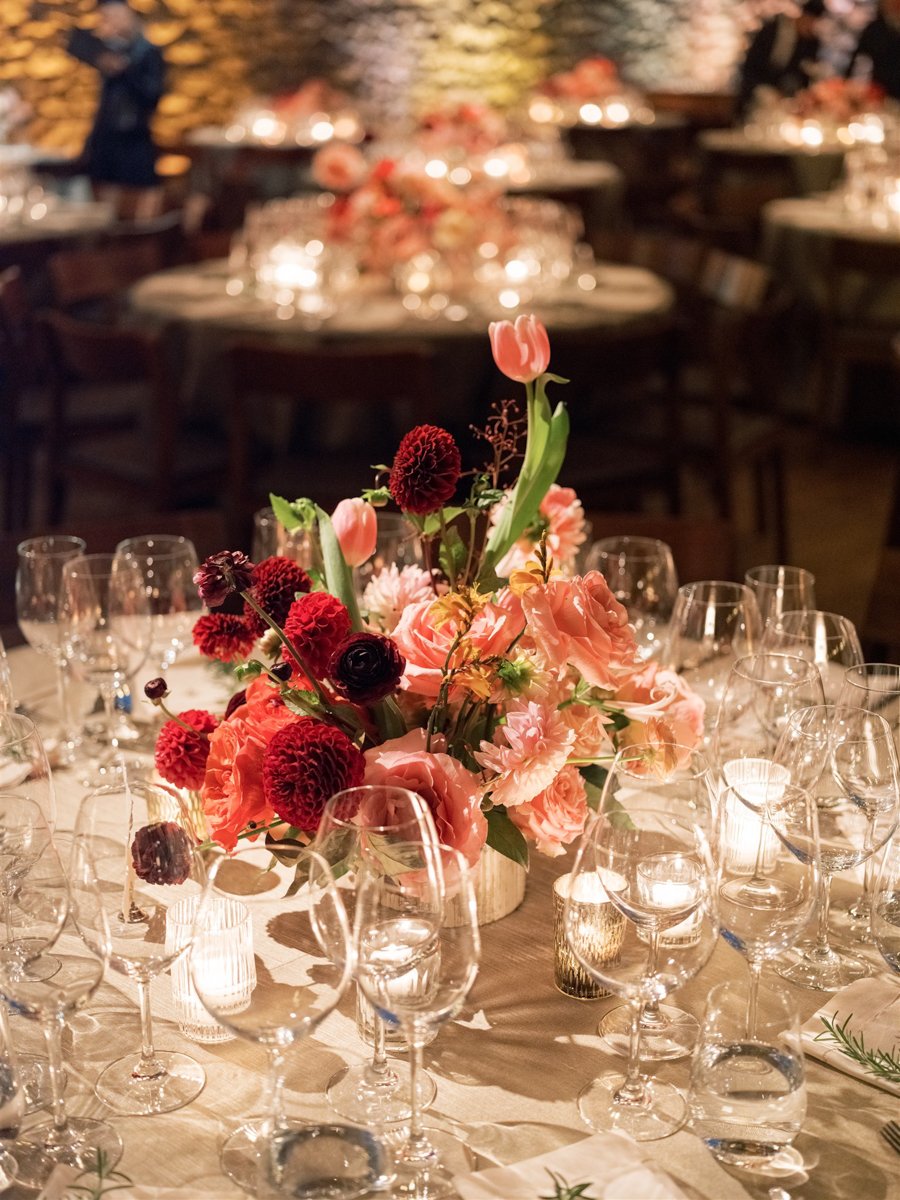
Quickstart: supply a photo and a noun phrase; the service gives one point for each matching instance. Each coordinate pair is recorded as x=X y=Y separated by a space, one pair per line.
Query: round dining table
x=56 y=220
x=508 y=1068
x=808 y=169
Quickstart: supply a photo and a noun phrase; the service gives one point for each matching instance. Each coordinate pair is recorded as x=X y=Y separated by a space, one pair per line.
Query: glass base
x=430 y=1177
x=180 y=1082
x=37 y=1159
x=662 y=1112
x=669 y=1033
x=828 y=972
x=357 y=1094
x=325 y=1162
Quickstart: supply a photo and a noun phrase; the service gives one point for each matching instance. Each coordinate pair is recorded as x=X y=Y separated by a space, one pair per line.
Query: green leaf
x=377 y=496
x=595 y=775
x=431 y=525
x=297 y=514
x=452 y=555
x=337 y=574
x=248 y=670
x=389 y=719
x=299 y=701
x=505 y=838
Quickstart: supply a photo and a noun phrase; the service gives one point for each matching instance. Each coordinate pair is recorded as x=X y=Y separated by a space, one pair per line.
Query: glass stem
x=65 y=713
x=149 y=1066
x=632 y=1090
x=53 y=1031
x=822 y=948
x=273 y=1101
x=379 y=1064
x=108 y=696
x=755 y=965
x=650 y=1018
x=417 y=1148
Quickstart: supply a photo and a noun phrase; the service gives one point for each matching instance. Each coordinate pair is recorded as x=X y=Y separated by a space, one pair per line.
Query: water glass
x=748 y=1089
x=271 y=538
x=641 y=575
x=827 y=639
x=168 y=564
x=779 y=589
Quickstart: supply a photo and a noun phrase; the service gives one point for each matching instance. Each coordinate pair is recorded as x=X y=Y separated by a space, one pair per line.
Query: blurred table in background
x=799 y=170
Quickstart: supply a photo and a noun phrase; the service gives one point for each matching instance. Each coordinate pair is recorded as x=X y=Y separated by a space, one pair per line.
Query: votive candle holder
x=228 y=965
x=596 y=925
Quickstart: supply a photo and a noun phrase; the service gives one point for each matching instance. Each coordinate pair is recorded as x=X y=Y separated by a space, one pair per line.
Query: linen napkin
x=875 y=1008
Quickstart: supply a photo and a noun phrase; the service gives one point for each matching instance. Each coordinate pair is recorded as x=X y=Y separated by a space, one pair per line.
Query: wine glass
x=780 y=589
x=105 y=614
x=650 y=775
x=271 y=538
x=302 y=963
x=7 y=702
x=38 y=585
x=23 y=764
x=655 y=867
x=845 y=757
x=876 y=687
x=357 y=822
x=12 y=1102
x=885 y=911
x=418 y=947
x=43 y=902
x=713 y=624
x=168 y=564
x=396 y=543
x=768 y=859
x=641 y=574
x=139 y=841
x=827 y=639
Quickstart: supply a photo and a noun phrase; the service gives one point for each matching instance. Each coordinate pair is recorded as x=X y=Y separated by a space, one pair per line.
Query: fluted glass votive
x=228 y=965
x=599 y=928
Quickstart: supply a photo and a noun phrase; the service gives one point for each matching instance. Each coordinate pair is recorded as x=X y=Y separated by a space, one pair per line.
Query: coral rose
x=452 y=793
x=579 y=622
x=556 y=816
x=562 y=515
x=661 y=709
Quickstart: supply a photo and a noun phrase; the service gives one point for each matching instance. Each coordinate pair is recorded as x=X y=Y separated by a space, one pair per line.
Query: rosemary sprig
x=107 y=1180
x=566 y=1191
x=885 y=1064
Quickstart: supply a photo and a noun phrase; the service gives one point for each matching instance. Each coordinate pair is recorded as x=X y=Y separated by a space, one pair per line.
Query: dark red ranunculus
x=366 y=667
x=156 y=689
x=276 y=582
x=223 y=573
x=305 y=763
x=161 y=853
x=426 y=470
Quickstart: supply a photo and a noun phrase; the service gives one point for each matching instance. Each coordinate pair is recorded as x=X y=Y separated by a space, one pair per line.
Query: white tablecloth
x=813 y=169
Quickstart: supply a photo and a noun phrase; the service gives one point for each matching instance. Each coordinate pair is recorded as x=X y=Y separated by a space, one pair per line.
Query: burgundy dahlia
x=316 y=625
x=276 y=582
x=224 y=636
x=161 y=853
x=223 y=573
x=305 y=763
x=426 y=470
x=366 y=667
x=181 y=753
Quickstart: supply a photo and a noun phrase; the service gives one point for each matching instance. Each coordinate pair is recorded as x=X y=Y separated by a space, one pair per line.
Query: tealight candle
x=595 y=926
x=669 y=888
x=755 y=782
x=227 y=965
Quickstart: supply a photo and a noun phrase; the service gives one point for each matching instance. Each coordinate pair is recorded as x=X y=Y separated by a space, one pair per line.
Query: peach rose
x=661 y=708
x=565 y=526
x=592 y=727
x=579 y=621
x=452 y=793
x=556 y=816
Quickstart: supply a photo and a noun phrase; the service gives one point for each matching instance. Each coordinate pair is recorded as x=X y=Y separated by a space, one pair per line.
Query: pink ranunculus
x=556 y=816
x=356 y=526
x=579 y=621
x=452 y=793
x=661 y=709
x=527 y=753
x=339 y=167
x=426 y=647
x=521 y=350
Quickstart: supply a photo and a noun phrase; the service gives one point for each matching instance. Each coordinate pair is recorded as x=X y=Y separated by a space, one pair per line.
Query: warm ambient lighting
x=223 y=961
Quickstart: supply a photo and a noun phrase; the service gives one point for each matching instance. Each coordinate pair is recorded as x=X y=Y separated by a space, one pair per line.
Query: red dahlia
x=316 y=625
x=426 y=470
x=224 y=636
x=305 y=763
x=180 y=754
x=276 y=582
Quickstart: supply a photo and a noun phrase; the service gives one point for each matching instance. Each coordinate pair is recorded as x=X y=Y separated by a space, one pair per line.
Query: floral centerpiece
x=311 y=115
x=592 y=92
x=493 y=681
x=830 y=112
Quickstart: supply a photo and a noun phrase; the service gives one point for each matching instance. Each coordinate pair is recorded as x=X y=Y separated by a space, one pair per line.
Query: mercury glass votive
x=595 y=922
x=227 y=964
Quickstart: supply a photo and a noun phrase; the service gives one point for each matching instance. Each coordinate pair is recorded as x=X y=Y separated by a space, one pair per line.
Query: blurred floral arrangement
x=493 y=680
x=591 y=92
x=838 y=100
x=464 y=129
x=593 y=78
x=14 y=111
x=312 y=115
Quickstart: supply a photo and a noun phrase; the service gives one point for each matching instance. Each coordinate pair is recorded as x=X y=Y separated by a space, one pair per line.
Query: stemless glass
x=748 y=1085
x=139 y=841
x=845 y=757
x=656 y=867
x=780 y=589
x=714 y=623
x=303 y=955
x=418 y=947
x=38 y=584
x=642 y=774
x=827 y=639
x=23 y=764
x=168 y=564
x=876 y=687
x=641 y=575
x=12 y=1102
x=356 y=822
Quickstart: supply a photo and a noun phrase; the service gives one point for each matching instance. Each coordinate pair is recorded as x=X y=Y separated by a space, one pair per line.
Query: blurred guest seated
x=782 y=53
x=878 y=50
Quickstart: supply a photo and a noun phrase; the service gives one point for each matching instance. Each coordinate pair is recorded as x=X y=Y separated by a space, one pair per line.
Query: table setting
x=403 y=809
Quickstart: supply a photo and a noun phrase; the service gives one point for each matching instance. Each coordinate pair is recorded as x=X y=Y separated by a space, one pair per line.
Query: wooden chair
x=20 y=431
x=859 y=272
x=153 y=461
x=377 y=393
x=702 y=549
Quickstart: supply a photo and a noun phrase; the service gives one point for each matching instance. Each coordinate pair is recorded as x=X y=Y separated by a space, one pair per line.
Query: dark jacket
x=120 y=147
x=880 y=42
x=761 y=67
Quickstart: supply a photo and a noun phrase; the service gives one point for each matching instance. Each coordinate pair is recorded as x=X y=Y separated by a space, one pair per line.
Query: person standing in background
x=119 y=154
x=782 y=53
x=878 y=49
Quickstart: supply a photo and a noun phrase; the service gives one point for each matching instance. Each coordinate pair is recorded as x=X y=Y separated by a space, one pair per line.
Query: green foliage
x=337 y=573
x=377 y=496
x=293 y=514
x=452 y=554
x=566 y=1191
x=244 y=672
x=504 y=837
x=883 y=1064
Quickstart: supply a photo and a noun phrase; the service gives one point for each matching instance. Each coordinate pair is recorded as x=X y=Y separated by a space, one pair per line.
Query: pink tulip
x=356 y=525
x=521 y=350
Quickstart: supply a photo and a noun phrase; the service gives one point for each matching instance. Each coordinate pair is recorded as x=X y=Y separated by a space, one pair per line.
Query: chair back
x=87 y=276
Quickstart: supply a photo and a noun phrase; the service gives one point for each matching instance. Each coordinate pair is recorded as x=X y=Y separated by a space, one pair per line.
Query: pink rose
x=521 y=350
x=661 y=708
x=452 y=793
x=556 y=816
x=425 y=647
x=356 y=526
x=339 y=167
x=564 y=517
x=579 y=621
